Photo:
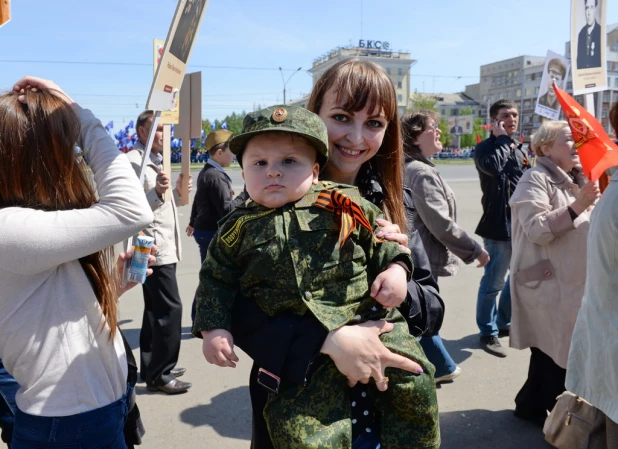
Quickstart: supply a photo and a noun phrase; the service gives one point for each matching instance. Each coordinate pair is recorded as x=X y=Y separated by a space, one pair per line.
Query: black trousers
x=159 y=340
x=545 y=382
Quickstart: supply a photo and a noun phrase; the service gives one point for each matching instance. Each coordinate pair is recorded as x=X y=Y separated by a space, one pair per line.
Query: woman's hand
x=33 y=83
x=586 y=197
x=483 y=258
x=359 y=354
x=120 y=267
x=392 y=232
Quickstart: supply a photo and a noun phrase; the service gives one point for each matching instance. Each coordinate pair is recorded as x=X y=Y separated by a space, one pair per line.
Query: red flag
x=478 y=138
x=596 y=150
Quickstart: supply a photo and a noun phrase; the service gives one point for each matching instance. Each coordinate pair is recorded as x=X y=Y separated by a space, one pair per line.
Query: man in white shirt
x=161 y=324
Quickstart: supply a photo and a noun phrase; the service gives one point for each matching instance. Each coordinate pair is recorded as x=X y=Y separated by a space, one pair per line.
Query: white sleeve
x=33 y=241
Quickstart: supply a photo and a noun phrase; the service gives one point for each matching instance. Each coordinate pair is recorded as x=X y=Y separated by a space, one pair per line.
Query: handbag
x=570 y=423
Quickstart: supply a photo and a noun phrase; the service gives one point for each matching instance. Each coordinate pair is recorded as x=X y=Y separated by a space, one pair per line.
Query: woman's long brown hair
x=364 y=84
x=39 y=170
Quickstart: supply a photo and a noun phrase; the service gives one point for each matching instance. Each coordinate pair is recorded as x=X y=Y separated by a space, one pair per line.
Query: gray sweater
x=50 y=321
x=446 y=243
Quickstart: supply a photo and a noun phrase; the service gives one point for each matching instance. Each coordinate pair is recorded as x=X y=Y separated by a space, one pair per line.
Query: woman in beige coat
x=550 y=213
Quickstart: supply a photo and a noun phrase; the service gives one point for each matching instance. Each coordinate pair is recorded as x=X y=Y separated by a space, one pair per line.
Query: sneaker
x=449 y=377
x=504 y=332
x=492 y=345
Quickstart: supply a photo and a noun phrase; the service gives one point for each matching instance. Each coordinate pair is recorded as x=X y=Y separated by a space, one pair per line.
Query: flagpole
x=589 y=103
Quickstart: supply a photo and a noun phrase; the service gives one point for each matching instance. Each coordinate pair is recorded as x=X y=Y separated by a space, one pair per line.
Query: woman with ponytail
x=58 y=302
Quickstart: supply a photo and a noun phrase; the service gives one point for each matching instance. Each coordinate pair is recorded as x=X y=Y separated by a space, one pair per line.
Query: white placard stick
x=142 y=171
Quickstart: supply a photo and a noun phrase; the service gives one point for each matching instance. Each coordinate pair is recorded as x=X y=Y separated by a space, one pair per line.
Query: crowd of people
x=339 y=237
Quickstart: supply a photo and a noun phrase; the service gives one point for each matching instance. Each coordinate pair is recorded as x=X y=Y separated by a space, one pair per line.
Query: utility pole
x=286 y=82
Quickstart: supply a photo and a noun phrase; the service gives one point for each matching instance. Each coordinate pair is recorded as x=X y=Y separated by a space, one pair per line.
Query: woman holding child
x=357 y=102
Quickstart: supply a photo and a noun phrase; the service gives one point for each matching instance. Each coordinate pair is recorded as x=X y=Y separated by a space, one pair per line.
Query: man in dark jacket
x=500 y=162
x=213 y=199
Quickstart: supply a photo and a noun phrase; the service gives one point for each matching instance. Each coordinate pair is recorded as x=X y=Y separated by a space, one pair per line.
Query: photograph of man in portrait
x=556 y=70
x=589 y=47
x=187 y=28
x=556 y=73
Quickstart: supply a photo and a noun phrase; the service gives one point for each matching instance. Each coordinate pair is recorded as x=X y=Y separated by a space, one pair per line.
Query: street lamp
x=286 y=82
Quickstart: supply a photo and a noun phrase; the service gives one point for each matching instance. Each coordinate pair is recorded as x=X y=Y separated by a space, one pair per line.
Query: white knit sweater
x=50 y=321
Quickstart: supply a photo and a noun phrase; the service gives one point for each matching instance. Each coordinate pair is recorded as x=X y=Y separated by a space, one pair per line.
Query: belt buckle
x=268 y=380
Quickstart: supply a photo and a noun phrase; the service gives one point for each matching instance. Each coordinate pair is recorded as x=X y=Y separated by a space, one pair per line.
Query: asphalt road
x=475 y=410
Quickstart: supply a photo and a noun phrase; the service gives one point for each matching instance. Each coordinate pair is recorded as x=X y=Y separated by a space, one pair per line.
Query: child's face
x=278 y=168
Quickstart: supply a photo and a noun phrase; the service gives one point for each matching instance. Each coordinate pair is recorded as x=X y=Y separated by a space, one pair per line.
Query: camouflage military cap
x=279 y=118
x=217 y=137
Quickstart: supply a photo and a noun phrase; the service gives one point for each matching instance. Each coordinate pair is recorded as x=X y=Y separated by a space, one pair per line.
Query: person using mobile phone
x=500 y=161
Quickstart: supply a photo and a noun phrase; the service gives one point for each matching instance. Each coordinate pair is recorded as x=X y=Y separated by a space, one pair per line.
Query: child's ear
x=316 y=172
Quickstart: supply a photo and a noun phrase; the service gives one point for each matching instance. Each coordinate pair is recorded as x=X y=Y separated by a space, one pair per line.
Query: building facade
x=519 y=80
x=396 y=63
x=451 y=105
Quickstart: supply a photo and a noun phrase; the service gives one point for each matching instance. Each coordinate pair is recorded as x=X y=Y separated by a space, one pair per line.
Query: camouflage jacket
x=289 y=260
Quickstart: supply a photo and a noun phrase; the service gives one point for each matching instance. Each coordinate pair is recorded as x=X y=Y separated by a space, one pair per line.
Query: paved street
x=476 y=409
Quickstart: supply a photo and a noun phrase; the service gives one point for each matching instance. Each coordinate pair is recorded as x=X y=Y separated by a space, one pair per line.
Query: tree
x=233 y=122
x=445 y=137
x=420 y=101
x=469 y=140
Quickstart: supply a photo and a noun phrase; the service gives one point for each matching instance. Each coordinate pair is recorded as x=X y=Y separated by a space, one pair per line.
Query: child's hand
x=218 y=348
x=391 y=286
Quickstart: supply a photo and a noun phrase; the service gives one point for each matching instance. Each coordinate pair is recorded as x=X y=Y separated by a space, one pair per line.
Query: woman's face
x=353 y=137
x=429 y=140
x=563 y=151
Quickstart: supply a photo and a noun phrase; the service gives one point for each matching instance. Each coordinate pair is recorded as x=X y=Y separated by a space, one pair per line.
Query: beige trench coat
x=548 y=263
x=593 y=361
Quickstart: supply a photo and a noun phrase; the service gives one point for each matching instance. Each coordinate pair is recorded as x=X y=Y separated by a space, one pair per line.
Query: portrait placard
x=556 y=69
x=176 y=52
x=167 y=117
x=588 y=46
x=461 y=124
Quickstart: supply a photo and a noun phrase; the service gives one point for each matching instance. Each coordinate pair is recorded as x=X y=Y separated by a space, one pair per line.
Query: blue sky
x=242 y=43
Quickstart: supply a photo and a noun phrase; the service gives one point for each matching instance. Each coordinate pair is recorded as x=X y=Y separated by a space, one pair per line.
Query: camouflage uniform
x=289 y=261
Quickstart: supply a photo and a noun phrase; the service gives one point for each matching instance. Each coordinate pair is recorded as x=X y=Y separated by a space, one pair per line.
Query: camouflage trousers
x=318 y=416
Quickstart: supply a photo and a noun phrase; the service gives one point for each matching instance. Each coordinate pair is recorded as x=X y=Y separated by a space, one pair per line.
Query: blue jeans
x=438 y=355
x=8 y=389
x=203 y=239
x=98 y=428
x=490 y=318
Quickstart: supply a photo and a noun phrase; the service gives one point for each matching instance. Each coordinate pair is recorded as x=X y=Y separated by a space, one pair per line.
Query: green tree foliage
x=469 y=140
x=445 y=137
x=233 y=121
x=420 y=101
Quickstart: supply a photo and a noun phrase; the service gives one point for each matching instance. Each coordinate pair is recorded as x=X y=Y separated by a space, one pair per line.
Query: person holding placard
x=161 y=325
